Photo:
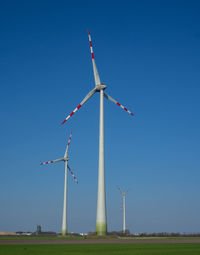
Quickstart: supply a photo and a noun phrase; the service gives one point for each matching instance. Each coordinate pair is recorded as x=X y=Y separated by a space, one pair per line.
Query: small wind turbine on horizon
x=123 y=205
x=101 y=222
x=65 y=159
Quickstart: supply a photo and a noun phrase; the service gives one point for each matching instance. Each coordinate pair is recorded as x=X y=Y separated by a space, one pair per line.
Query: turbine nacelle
x=65 y=159
x=100 y=87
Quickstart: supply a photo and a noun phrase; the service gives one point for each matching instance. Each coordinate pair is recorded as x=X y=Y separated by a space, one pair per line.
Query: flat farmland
x=105 y=249
x=11 y=240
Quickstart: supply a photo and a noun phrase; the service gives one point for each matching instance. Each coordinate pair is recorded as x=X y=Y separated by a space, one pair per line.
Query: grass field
x=105 y=249
x=82 y=238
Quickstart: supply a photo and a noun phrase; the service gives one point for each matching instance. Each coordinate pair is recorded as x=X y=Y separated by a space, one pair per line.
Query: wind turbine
x=65 y=159
x=124 y=208
x=101 y=222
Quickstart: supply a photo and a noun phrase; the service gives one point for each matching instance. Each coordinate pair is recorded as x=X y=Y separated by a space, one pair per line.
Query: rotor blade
x=66 y=163
x=52 y=161
x=119 y=188
x=114 y=101
x=96 y=74
x=72 y=174
x=91 y=93
x=70 y=137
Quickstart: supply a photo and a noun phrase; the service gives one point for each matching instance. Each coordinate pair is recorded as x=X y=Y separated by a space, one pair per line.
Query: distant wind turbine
x=65 y=159
x=123 y=205
x=101 y=222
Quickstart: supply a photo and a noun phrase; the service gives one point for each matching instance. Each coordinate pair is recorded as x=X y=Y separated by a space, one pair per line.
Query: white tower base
x=64 y=221
x=101 y=224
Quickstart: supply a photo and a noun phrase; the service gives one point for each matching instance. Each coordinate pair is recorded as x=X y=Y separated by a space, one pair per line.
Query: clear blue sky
x=148 y=55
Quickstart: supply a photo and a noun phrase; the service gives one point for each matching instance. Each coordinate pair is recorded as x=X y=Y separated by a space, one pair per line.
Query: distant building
x=39 y=230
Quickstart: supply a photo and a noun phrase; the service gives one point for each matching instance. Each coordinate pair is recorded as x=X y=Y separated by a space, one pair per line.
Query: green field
x=105 y=249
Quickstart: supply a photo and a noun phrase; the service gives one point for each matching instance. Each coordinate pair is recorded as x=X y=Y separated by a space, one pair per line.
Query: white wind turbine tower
x=123 y=204
x=101 y=222
x=65 y=159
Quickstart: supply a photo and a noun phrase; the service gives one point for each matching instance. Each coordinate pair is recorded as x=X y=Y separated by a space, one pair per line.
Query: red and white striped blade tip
x=64 y=121
x=72 y=113
x=74 y=176
x=70 y=137
x=45 y=163
x=117 y=103
x=125 y=109
x=88 y=96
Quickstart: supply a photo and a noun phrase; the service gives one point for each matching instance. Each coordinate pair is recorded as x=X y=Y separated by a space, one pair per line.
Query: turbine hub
x=100 y=87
